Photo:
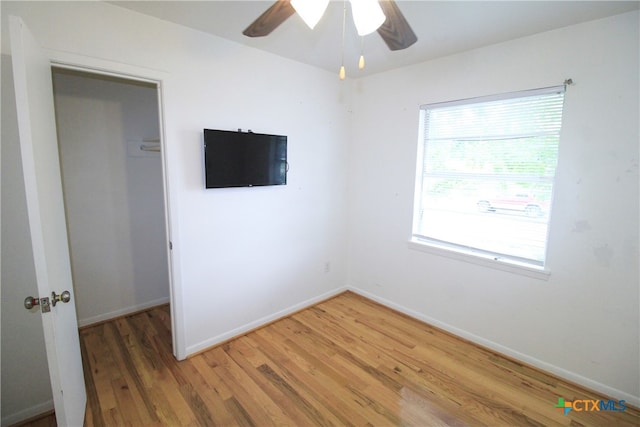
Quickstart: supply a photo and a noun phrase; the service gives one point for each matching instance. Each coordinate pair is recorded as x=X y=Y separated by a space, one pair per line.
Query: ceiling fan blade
x=395 y=31
x=270 y=19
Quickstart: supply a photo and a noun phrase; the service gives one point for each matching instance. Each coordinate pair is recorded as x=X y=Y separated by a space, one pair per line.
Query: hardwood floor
x=347 y=361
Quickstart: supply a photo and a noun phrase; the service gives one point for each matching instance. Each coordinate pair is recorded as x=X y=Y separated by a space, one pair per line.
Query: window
x=485 y=175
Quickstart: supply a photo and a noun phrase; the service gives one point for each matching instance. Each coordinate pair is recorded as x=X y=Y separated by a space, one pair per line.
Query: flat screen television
x=244 y=159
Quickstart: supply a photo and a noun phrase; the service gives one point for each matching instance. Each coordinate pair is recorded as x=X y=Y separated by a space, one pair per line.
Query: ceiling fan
x=395 y=30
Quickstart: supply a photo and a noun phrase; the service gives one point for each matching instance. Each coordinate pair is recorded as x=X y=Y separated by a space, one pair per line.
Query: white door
x=47 y=224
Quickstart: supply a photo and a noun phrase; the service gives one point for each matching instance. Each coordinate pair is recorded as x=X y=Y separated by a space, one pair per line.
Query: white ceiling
x=443 y=27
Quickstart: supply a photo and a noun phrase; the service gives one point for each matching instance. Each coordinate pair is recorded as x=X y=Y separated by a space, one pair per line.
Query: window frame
x=510 y=263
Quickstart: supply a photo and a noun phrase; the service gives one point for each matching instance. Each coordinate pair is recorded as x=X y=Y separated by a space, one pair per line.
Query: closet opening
x=110 y=145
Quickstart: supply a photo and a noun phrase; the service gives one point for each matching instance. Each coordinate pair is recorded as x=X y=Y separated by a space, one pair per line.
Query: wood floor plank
x=384 y=387
x=127 y=408
x=89 y=360
x=215 y=394
x=309 y=376
x=344 y=384
x=99 y=361
x=127 y=368
x=349 y=379
x=347 y=361
x=155 y=379
x=357 y=366
x=284 y=376
x=439 y=366
x=258 y=406
x=291 y=402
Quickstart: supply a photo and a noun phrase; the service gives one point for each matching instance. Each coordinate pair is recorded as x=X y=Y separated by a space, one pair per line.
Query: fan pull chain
x=342 y=73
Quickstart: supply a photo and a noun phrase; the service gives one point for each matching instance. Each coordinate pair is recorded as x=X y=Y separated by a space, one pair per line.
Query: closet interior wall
x=108 y=133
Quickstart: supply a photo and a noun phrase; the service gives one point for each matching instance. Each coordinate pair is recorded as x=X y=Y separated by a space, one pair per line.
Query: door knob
x=63 y=297
x=30 y=302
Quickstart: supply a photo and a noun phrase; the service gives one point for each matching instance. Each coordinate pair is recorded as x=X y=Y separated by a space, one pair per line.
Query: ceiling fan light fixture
x=310 y=10
x=367 y=15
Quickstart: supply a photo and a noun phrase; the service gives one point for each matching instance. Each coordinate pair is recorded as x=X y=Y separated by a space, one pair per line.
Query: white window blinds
x=486 y=171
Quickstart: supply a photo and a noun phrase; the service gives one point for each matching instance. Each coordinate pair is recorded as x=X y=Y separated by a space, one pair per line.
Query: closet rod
x=155 y=148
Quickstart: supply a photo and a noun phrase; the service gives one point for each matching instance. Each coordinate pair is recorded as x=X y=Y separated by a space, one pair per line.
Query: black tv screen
x=244 y=159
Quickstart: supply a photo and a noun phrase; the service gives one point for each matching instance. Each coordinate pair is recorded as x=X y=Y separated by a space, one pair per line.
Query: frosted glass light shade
x=367 y=15
x=310 y=10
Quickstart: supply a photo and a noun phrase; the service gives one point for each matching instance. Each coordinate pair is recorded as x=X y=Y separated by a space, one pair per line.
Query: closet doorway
x=109 y=132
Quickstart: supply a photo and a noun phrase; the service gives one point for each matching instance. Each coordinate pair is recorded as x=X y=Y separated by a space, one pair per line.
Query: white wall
x=113 y=194
x=582 y=323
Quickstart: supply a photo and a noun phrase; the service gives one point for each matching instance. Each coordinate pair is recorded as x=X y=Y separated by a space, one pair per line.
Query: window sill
x=479 y=259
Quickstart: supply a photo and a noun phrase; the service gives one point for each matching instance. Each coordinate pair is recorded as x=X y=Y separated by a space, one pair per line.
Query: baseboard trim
x=32 y=412
x=264 y=321
x=122 y=312
x=562 y=373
